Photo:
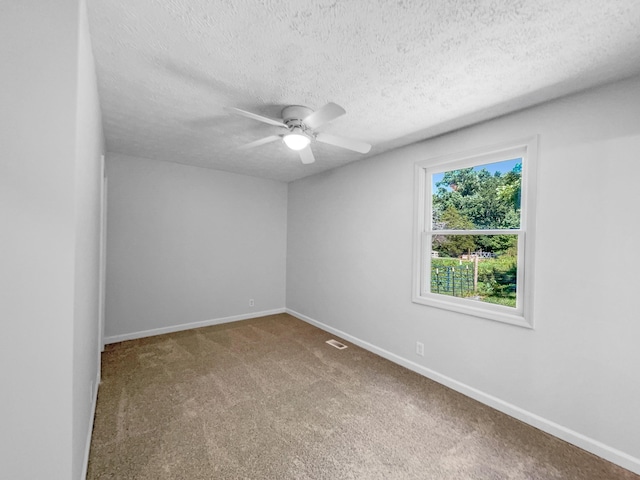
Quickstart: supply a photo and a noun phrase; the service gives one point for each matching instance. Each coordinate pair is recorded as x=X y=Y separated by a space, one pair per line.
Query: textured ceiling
x=403 y=70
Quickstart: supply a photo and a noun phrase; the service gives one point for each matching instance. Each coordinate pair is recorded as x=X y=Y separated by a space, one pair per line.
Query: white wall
x=188 y=244
x=39 y=193
x=349 y=266
x=86 y=350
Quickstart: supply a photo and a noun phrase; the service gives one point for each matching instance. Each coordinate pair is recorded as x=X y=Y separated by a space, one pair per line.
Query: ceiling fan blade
x=257 y=143
x=255 y=116
x=325 y=114
x=306 y=155
x=355 y=145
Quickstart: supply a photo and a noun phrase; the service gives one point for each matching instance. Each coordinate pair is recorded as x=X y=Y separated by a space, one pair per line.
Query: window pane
x=483 y=197
x=476 y=267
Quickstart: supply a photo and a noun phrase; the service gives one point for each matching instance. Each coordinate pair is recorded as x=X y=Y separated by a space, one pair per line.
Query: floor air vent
x=337 y=344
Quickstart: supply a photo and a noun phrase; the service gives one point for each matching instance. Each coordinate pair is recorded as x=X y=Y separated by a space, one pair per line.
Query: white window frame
x=522 y=315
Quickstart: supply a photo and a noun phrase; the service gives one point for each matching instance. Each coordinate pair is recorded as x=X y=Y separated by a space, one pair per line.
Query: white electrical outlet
x=251 y=303
x=420 y=348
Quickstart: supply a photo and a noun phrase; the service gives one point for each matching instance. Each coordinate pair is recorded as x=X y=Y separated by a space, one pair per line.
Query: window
x=474 y=226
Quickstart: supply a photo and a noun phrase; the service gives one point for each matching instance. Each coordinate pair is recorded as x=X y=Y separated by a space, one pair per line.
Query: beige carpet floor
x=268 y=399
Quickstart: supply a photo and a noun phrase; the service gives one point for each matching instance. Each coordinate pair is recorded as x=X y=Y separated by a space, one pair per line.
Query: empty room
x=319 y=240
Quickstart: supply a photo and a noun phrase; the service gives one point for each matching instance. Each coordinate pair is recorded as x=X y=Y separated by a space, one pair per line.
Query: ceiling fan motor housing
x=293 y=117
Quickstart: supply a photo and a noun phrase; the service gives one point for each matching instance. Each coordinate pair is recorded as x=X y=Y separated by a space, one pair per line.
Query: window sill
x=487 y=311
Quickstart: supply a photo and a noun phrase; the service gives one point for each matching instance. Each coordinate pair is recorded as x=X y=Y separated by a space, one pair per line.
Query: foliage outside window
x=474 y=235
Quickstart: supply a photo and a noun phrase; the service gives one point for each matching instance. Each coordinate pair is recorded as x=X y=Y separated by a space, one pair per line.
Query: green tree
x=454 y=220
x=454 y=245
x=483 y=200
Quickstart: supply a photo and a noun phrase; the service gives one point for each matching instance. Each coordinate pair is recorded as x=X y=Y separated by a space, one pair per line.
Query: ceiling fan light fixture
x=296 y=140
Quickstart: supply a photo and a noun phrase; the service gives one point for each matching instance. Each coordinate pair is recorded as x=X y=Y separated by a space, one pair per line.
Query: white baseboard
x=87 y=447
x=189 y=326
x=597 y=448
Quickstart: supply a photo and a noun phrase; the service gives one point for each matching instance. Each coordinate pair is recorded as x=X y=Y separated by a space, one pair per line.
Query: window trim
x=526 y=148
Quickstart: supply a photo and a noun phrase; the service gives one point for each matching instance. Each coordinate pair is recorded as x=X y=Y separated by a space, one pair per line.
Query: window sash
x=425 y=277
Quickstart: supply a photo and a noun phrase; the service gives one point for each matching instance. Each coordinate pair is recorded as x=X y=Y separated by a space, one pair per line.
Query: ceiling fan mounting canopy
x=294 y=113
x=300 y=122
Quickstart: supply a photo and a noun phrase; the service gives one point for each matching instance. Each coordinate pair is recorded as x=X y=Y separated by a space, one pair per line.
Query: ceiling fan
x=300 y=124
